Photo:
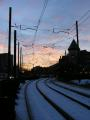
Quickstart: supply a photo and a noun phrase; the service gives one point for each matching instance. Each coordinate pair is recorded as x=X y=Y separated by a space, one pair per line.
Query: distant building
x=73 y=52
x=73 y=65
x=73 y=48
x=4 y=62
x=76 y=62
x=76 y=55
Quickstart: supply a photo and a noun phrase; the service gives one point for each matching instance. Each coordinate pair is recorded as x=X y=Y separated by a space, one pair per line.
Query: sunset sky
x=55 y=32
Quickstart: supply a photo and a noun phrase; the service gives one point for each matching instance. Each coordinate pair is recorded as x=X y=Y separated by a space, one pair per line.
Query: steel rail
x=75 y=91
x=27 y=102
x=56 y=107
x=71 y=98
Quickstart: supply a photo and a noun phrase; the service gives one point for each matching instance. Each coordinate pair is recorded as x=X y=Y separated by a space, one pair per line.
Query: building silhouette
x=4 y=64
x=75 y=64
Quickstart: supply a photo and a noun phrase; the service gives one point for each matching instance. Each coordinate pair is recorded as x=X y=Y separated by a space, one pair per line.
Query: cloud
x=3 y=35
x=84 y=38
x=3 y=48
x=42 y=56
x=41 y=60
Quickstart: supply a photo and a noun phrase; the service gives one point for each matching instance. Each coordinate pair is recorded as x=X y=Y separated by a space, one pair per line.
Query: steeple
x=73 y=46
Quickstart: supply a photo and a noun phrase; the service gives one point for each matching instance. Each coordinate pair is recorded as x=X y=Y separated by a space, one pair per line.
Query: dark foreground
x=8 y=90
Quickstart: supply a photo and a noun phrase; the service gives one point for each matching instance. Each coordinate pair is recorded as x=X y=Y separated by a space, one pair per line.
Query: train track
x=36 y=93
x=27 y=102
x=75 y=91
x=60 y=110
x=71 y=98
x=46 y=90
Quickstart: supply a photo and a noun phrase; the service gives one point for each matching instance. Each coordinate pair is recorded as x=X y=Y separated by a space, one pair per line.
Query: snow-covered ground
x=73 y=87
x=72 y=108
x=41 y=109
x=81 y=82
x=20 y=107
x=71 y=94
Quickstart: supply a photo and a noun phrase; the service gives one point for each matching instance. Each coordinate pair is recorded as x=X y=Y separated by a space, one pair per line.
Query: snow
x=20 y=108
x=74 y=87
x=77 y=111
x=40 y=108
x=82 y=82
x=74 y=95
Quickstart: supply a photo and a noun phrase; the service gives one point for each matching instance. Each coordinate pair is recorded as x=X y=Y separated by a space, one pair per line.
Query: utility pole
x=9 y=42
x=77 y=33
x=78 y=68
x=65 y=53
x=15 y=37
x=18 y=55
x=22 y=59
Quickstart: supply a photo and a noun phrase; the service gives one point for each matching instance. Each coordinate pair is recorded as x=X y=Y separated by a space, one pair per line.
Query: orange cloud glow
x=3 y=35
x=2 y=48
x=42 y=57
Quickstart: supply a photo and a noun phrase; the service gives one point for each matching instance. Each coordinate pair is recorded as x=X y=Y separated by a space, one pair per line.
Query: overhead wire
x=83 y=16
x=81 y=20
x=39 y=21
x=72 y=29
x=38 y=24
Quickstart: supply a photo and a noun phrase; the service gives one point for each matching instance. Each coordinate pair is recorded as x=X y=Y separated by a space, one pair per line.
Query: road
x=47 y=99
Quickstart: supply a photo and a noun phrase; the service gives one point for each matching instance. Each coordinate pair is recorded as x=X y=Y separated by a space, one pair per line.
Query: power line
x=70 y=31
x=83 y=16
x=39 y=21
x=84 y=20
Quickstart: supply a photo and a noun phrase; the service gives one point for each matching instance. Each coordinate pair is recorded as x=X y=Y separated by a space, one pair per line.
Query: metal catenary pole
x=15 y=37
x=78 y=52
x=20 y=57
x=9 y=42
x=77 y=33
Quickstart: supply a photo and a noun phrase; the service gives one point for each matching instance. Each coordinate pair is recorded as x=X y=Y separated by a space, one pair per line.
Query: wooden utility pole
x=77 y=33
x=15 y=37
x=9 y=42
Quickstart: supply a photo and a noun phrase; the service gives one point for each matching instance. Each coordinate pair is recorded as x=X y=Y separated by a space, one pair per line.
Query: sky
x=55 y=31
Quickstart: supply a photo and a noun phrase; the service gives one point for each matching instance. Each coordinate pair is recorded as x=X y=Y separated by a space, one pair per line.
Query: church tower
x=73 y=48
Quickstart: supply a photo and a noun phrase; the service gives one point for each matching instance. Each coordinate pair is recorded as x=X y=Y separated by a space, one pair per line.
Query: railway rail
x=71 y=107
x=71 y=89
x=60 y=110
x=86 y=105
x=27 y=101
x=44 y=101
